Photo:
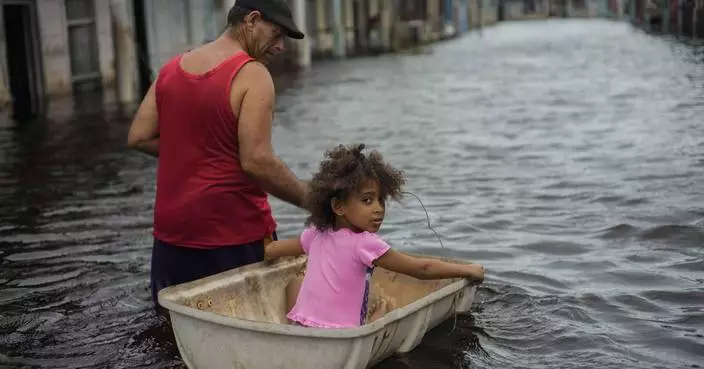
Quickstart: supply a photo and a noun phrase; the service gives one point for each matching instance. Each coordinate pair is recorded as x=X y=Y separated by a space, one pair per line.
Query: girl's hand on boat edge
x=283 y=248
x=476 y=272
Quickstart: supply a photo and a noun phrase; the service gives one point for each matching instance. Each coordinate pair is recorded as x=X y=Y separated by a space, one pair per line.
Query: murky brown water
x=567 y=156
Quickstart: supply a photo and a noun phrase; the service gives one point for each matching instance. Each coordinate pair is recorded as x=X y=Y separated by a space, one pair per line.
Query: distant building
x=525 y=9
x=53 y=49
x=60 y=48
x=57 y=49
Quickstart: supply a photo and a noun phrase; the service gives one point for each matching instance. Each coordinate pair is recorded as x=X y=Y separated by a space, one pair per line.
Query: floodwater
x=567 y=156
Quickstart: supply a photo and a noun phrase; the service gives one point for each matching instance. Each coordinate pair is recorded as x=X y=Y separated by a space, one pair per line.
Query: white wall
x=196 y=12
x=126 y=57
x=168 y=30
x=545 y=7
x=514 y=10
x=106 y=47
x=55 y=53
x=347 y=24
x=172 y=27
x=490 y=12
x=325 y=41
x=53 y=32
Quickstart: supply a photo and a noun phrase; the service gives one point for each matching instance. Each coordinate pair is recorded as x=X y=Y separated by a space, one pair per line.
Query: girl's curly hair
x=345 y=169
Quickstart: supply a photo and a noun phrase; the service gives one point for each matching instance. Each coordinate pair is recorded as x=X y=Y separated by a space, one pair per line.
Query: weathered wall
x=388 y=20
x=545 y=7
x=125 y=57
x=589 y=10
x=490 y=11
x=106 y=47
x=462 y=15
x=167 y=31
x=474 y=13
x=348 y=25
x=514 y=10
x=54 y=51
x=5 y=98
x=321 y=23
x=434 y=21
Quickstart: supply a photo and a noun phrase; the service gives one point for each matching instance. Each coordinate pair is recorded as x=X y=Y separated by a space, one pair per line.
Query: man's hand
x=144 y=132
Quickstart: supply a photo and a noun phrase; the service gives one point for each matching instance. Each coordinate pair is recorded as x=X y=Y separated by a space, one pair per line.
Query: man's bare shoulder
x=254 y=75
x=253 y=80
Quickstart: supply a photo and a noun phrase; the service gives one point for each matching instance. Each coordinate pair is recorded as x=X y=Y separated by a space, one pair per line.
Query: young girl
x=347 y=200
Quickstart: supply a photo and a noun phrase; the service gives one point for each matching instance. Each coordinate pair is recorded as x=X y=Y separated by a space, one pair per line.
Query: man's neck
x=228 y=43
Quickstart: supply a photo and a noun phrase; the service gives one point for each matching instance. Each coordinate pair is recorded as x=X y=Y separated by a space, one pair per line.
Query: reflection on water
x=566 y=156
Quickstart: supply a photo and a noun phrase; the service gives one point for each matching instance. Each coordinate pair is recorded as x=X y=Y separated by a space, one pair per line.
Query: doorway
x=23 y=64
x=502 y=11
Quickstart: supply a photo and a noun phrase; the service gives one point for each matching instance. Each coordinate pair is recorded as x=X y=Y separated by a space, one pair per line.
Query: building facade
x=52 y=47
x=56 y=49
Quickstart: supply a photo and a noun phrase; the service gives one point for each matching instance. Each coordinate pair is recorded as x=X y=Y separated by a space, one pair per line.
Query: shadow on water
x=158 y=339
x=571 y=156
x=85 y=151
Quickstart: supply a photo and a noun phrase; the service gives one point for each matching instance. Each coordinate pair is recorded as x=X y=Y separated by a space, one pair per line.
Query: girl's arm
x=277 y=249
x=423 y=268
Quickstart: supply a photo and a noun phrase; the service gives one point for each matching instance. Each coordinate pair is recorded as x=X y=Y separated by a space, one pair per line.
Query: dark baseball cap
x=274 y=11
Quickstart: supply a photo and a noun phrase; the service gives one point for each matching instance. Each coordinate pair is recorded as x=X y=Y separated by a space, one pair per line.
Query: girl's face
x=363 y=210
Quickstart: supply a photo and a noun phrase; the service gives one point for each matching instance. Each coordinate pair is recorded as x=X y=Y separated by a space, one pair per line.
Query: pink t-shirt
x=336 y=285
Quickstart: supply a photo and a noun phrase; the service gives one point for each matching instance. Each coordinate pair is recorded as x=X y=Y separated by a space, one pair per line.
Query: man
x=208 y=119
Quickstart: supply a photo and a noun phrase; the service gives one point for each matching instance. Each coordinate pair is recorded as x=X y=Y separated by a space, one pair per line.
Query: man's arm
x=254 y=132
x=144 y=132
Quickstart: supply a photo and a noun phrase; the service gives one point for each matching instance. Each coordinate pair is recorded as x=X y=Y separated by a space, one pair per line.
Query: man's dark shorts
x=174 y=264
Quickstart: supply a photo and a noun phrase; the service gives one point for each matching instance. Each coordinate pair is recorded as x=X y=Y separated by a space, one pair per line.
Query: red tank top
x=203 y=198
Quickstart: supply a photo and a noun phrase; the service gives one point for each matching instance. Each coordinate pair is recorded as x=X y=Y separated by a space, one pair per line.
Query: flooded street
x=566 y=156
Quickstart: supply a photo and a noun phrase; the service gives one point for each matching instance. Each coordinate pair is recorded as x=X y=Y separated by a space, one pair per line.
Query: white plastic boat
x=237 y=319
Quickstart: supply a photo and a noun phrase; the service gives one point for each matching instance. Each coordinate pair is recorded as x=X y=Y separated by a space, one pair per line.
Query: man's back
x=204 y=199
x=208 y=120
